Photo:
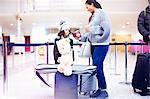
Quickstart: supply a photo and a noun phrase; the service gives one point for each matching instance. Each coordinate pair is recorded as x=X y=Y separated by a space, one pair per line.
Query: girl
x=64 y=32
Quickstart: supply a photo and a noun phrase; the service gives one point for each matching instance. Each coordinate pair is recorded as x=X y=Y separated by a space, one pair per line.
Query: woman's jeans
x=98 y=55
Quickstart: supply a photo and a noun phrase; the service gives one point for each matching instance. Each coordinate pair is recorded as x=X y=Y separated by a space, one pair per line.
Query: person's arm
x=83 y=37
x=141 y=26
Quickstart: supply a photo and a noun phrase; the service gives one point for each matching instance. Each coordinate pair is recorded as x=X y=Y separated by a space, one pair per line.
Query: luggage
x=66 y=87
x=87 y=84
x=141 y=76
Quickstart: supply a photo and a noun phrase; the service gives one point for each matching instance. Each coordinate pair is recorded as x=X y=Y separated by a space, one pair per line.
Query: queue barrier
x=47 y=44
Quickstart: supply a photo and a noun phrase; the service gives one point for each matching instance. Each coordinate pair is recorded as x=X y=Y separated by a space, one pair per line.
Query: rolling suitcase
x=141 y=75
x=66 y=87
x=87 y=84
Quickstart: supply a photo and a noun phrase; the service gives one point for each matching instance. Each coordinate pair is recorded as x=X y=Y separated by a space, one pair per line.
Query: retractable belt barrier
x=81 y=69
x=40 y=44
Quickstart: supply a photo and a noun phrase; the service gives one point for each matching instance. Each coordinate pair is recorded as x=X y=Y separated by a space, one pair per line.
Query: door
x=27 y=41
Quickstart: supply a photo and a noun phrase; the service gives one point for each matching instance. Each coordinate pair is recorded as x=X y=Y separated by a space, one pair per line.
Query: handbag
x=85 y=50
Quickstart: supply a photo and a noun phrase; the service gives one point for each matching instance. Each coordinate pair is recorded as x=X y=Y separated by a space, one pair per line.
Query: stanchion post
x=116 y=60
x=47 y=58
x=5 y=73
x=35 y=55
x=13 y=59
x=47 y=54
x=110 y=58
x=126 y=64
x=89 y=61
x=109 y=55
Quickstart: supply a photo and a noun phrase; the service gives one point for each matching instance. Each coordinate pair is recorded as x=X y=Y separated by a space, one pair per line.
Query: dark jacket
x=144 y=24
x=56 y=52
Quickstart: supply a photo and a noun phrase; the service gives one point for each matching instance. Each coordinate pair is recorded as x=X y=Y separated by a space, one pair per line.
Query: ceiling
x=123 y=14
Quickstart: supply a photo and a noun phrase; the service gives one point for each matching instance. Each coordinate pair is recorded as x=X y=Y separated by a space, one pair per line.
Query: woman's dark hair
x=94 y=2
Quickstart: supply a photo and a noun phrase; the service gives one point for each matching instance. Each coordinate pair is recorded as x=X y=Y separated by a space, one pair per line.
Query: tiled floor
x=24 y=84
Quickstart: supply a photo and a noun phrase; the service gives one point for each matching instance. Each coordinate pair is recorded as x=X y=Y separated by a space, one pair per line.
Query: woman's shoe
x=99 y=93
x=103 y=94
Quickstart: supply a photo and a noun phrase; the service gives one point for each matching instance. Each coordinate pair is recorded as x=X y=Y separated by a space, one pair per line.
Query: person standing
x=98 y=33
x=144 y=23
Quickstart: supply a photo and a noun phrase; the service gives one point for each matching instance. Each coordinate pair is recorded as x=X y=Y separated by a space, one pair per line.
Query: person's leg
x=99 y=54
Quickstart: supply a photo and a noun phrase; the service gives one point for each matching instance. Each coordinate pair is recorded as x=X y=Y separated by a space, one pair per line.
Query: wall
x=120 y=39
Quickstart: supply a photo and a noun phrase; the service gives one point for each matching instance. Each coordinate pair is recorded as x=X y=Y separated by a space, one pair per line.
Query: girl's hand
x=76 y=35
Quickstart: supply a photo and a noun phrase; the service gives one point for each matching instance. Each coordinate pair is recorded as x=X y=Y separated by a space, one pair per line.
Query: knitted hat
x=63 y=26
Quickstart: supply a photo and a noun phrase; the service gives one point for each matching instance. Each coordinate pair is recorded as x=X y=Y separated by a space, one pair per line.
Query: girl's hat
x=63 y=26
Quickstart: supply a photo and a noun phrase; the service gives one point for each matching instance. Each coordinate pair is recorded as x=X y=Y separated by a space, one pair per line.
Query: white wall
x=38 y=35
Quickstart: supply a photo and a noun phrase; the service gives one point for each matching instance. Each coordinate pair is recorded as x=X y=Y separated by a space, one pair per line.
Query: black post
x=126 y=62
x=47 y=52
x=5 y=74
x=116 y=60
x=89 y=61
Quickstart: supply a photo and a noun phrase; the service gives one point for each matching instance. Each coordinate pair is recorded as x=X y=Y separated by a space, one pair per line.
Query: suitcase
x=87 y=84
x=66 y=87
x=141 y=75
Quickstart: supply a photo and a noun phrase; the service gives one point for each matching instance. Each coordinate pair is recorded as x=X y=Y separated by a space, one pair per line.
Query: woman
x=64 y=32
x=99 y=35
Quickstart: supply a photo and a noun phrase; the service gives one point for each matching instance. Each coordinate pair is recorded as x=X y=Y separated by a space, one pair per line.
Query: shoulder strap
x=38 y=74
